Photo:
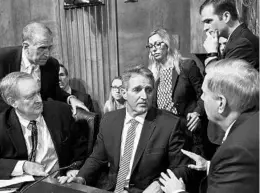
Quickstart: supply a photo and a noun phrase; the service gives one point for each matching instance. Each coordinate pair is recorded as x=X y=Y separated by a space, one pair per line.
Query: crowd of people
x=165 y=127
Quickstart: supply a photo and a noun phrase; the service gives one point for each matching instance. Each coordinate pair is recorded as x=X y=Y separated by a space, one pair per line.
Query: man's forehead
x=138 y=79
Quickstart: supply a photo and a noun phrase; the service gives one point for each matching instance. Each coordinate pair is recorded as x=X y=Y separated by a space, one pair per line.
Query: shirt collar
x=25 y=60
x=139 y=118
x=68 y=90
x=25 y=122
x=233 y=32
x=227 y=131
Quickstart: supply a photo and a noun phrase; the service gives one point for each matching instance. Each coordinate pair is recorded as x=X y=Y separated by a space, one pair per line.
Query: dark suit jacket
x=10 y=61
x=158 y=149
x=186 y=89
x=243 y=44
x=60 y=123
x=235 y=165
x=85 y=98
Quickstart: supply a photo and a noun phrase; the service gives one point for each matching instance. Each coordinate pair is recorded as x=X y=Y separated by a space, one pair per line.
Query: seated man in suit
x=138 y=141
x=64 y=84
x=36 y=137
x=34 y=58
x=231 y=99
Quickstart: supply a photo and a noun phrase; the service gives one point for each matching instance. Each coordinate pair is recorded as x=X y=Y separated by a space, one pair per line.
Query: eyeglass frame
x=116 y=87
x=157 y=45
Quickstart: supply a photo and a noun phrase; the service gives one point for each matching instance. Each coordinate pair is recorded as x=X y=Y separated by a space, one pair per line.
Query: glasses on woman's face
x=157 y=45
x=116 y=88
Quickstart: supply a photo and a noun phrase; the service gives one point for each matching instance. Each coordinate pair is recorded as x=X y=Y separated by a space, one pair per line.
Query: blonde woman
x=178 y=82
x=115 y=100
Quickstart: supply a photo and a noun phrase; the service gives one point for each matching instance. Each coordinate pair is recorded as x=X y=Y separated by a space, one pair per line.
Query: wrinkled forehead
x=139 y=80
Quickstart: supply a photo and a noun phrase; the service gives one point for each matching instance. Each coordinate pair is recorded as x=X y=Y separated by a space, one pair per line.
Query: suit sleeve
x=6 y=167
x=96 y=160
x=89 y=103
x=234 y=172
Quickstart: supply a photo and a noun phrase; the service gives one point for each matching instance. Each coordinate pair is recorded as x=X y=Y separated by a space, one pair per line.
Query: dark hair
x=221 y=6
x=65 y=69
x=141 y=70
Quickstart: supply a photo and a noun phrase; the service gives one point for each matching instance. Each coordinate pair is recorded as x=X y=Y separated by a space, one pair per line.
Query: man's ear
x=25 y=44
x=226 y=16
x=123 y=92
x=11 y=102
x=222 y=104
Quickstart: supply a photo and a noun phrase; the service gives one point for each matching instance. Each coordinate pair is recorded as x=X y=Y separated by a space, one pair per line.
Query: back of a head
x=34 y=29
x=237 y=80
x=137 y=70
x=221 y=6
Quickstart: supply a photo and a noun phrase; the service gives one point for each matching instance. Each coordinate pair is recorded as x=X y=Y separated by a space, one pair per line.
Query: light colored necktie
x=125 y=160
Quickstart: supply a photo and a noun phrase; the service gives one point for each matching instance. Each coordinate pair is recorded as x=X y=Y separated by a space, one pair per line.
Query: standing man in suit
x=231 y=98
x=34 y=58
x=220 y=18
x=64 y=84
x=36 y=137
x=138 y=141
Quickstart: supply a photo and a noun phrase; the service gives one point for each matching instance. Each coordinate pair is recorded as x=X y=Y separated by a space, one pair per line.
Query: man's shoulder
x=56 y=107
x=78 y=93
x=164 y=115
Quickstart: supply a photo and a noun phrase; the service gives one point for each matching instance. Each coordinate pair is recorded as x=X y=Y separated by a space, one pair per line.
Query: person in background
x=178 y=85
x=115 y=100
x=34 y=58
x=138 y=141
x=64 y=84
x=231 y=99
x=36 y=137
x=222 y=44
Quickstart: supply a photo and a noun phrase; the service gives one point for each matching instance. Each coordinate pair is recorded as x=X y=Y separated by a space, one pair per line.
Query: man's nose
x=143 y=94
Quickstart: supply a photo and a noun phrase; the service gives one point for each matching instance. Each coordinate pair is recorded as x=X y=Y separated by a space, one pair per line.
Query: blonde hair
x=173 y=55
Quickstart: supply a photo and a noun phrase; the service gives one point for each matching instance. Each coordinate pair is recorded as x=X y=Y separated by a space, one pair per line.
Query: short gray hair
x=140 y=70
x=8 y=85
x=33 y=29
x=237 y=80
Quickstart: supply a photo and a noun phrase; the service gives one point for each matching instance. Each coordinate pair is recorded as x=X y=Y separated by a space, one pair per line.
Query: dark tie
x=34 y=136
x=125 y=160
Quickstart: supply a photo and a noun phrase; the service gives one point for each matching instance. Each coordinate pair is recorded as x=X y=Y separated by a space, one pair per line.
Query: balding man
x=34 y=58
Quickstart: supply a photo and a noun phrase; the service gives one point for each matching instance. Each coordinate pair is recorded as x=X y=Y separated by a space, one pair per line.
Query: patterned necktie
x=33 y=127
x=125 y=160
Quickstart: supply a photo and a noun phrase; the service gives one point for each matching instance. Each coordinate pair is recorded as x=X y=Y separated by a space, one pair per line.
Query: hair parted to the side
x=221 y=6
x=173 y=55
x=137 y=70
x=237 y=80
x=8 y=85
x=33 y=29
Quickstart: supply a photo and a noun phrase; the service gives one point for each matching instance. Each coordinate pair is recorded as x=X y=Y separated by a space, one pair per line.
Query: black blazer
x=10 y=61
x=243 y=44
x=186 y=89
x=60 y=123
x=158 y=149
x=85 y=98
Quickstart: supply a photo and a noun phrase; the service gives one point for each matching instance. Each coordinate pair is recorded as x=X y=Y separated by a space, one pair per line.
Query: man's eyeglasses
x=157 y=45
x=116 y=87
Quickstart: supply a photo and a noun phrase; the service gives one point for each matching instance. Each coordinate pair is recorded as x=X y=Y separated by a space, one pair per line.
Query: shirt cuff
x=69 y=97
x=18 y=169
x=208 y=165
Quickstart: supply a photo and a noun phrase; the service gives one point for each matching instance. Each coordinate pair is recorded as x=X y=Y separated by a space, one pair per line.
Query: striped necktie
x=34 y=137
x=125 y=160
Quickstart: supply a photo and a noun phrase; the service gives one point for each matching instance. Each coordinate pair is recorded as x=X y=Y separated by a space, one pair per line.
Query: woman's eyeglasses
x=157 y=45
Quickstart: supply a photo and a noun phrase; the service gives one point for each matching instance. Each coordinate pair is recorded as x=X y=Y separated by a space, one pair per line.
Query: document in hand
x=15 y=180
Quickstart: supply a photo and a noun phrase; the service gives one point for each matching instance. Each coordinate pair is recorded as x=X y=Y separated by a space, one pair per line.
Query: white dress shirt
x=45 y=152
x=139 y=128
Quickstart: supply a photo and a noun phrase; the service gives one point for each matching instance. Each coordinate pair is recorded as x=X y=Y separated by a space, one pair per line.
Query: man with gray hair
x=34 y=58
x=231 y=99
x=36 y=137
x=138 y=141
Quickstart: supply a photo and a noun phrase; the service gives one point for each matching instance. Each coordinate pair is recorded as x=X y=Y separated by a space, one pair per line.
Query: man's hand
x=66 y=179
x=193 y=121
x=211 y=43
x=153 y=188
x=171 y=183
x=201 y=163
x=74 y=102
x=72 y=173
x=34 y=169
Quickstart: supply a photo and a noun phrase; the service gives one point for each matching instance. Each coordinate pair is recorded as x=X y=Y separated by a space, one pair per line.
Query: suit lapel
x=146 y=133
x=16 y=134
x=175 y=78
x=15 y=65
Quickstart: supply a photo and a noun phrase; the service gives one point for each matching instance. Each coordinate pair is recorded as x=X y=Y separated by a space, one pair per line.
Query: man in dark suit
x=34 y=58
x=136 y=162
x=64 y=84
x=221 y=19
x=231 y=98
x=36 y=137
